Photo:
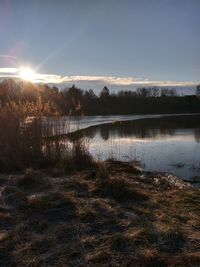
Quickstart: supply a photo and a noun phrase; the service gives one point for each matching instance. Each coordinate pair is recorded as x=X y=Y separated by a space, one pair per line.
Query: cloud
x=124 y=81
x=8 y=70
x=94 y=80
x=8 y=56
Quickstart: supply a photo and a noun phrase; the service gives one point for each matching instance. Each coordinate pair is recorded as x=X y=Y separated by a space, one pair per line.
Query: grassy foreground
x=111 y=215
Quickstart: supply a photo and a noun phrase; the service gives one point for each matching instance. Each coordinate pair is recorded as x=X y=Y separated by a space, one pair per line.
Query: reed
x=28 y=139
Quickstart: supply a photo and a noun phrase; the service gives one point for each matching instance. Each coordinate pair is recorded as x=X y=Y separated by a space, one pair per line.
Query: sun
x=27 y=74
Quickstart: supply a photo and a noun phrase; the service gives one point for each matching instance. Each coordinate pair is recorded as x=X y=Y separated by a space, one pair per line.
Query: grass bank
x=111 y=214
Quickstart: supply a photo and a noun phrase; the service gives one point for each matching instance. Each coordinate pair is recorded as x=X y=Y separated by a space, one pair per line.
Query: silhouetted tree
x=154 y=91
x=90 y=94
x=198 y=90
x=75 y=101
x=105 y=92
x=168 y=92
x=143 y=92
x=173 y=92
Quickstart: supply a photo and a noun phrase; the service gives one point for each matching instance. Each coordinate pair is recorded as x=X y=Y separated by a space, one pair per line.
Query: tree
x=198 y=90
x=105 y=92
x=4 y=93
x=154 y=91
x=143 y=92
x=89 y=94
x=165 y=92
x=173 y=92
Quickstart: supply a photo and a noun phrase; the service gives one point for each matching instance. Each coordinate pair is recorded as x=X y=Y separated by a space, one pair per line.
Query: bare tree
x=198 y=90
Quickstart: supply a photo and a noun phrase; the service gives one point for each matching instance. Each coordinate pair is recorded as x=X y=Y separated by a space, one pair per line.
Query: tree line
x=75 y=101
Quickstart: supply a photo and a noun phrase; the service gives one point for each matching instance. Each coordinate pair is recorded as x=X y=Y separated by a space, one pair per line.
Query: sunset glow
x=27 y=74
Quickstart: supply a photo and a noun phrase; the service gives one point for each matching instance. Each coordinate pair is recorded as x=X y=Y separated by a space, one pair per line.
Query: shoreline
x=110 y=122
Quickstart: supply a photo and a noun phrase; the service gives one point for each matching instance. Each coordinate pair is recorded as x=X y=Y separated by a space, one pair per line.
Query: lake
x=161 y=143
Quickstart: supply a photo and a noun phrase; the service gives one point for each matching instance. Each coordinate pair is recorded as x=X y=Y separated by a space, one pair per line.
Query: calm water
x=167 y=144
x=66 y=124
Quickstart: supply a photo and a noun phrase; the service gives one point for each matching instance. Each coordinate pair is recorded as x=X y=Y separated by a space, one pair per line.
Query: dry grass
x=119 y=188
x=32 y=179
x=52 y=200
x=81 y=220
x=26 y=140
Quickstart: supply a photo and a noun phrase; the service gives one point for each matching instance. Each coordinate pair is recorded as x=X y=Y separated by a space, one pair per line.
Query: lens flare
x=27 y=74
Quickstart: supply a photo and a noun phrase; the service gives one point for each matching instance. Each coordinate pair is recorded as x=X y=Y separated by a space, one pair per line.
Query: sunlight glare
x=27 y=74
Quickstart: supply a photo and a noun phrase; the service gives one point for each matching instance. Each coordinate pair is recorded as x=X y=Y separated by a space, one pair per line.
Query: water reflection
x=197 y=135
x=162 y=144
x=143 y=129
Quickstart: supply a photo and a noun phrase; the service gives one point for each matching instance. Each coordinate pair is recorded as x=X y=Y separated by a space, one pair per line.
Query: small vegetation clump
x=119 y=188
x=32 y=178
x=53 y=200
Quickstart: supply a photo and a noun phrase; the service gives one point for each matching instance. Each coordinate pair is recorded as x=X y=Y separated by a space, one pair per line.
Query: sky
x=118 y=43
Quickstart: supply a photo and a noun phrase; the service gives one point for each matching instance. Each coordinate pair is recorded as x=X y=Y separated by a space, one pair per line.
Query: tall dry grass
x=26 y=140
